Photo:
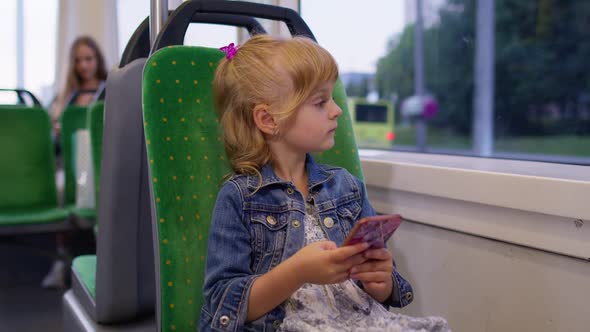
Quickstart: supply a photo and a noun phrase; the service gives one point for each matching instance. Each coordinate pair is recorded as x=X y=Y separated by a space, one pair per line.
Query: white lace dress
x=344 y=306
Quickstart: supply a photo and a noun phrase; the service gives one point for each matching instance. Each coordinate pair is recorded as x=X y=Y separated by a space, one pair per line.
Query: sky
x=356 y=33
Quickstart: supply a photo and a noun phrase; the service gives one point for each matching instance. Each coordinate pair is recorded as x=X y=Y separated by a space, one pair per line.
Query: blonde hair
x=281 y=73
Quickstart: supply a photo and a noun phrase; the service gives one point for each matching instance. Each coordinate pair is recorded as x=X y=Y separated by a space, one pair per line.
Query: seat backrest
x=187 y=167
x=95 y=125
x=125 y=276
x=72 y=119
x=27 y=166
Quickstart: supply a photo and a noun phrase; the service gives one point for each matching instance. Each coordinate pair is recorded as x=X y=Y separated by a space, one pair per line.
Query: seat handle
x=21 y=93
x=236 y=13
x=177 y=24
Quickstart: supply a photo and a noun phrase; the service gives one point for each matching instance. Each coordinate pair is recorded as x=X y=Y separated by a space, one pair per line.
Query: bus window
x=8 y=98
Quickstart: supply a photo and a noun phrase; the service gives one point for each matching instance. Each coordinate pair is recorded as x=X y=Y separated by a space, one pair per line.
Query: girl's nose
x=335 y=110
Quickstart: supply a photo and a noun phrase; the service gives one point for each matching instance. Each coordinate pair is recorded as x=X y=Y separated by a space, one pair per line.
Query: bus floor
x=25 y=259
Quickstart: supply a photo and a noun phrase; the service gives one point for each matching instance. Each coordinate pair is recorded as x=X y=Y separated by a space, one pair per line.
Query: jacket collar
x=316 y=174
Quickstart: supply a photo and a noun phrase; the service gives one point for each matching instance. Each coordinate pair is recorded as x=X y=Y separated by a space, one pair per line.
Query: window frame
x=533 y=204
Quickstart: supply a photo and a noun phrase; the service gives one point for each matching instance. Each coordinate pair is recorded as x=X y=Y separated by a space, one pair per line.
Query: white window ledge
x=535 y=204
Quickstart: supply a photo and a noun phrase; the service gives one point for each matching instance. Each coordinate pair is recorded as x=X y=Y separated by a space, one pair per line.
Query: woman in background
x=86 y=74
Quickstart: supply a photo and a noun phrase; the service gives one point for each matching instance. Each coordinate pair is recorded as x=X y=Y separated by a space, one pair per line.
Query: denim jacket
x=252 y=231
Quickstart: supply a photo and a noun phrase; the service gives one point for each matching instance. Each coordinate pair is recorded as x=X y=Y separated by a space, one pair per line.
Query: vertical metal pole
x=419 y=89
x=158 y=16
x=20 y=40
x=483 y=99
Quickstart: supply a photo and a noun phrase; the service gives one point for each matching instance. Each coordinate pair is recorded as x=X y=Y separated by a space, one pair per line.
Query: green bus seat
x=187 y=166
x=28 y=193
x=96 y=125
x=84 y=269
x=72 y=119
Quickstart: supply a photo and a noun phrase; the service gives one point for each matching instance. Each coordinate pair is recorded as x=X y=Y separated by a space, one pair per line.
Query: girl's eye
x=321 y=103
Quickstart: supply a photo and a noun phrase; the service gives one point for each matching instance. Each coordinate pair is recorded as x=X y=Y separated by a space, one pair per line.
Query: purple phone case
x=376 y=233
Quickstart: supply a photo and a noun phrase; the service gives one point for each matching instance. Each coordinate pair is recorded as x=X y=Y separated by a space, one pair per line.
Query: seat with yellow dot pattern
x=187 y=165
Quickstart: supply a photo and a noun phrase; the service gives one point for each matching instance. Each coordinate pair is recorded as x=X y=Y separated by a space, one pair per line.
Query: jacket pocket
x=269 y=233
x=348 y=215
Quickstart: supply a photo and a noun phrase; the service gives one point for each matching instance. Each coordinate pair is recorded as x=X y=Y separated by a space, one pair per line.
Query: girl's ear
x=264 y=120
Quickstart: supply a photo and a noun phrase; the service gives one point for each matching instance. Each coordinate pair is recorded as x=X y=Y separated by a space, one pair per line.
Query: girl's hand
x=324 y=263
x=375 y=273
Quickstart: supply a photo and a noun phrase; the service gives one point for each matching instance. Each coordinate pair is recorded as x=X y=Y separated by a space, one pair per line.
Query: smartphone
x=375 y=230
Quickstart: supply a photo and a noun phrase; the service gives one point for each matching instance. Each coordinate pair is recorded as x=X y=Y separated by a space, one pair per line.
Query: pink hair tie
x=229 y=50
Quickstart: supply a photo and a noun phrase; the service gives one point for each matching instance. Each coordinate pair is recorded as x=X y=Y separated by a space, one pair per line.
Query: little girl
x=275 y=260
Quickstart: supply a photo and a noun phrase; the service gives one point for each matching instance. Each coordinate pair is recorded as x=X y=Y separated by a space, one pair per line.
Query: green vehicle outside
x=372 y=122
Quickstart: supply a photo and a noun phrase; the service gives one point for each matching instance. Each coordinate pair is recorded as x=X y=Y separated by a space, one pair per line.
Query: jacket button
x=290 y=191
x=296 y=223
x=224 y=320
x=271 y=220
x=328 y=222
x=409 y=296
x=276 y=324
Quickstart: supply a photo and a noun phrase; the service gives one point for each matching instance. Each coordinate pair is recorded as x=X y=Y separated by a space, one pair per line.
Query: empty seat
x=72 y=119
x=28 y=194
x=96 y=125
